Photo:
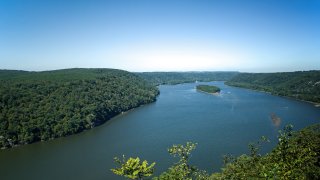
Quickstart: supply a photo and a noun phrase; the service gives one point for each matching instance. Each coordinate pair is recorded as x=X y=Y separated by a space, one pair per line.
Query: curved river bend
x=220 y=124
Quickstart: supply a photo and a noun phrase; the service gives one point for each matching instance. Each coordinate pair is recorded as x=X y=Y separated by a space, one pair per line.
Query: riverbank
x=316 y=104
x=299 y=85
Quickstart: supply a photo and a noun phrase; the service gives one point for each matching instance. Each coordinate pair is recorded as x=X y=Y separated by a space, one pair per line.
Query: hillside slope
x=303 y=85
x=38 y=106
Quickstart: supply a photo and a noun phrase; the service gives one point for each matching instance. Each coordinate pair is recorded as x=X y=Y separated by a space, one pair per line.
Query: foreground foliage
x=182 y=169
x=38 y=106
x=132 y=168
x=303 y=85
x=297 y=156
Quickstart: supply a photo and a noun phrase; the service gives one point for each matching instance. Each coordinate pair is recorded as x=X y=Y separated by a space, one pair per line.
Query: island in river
x=208 y=89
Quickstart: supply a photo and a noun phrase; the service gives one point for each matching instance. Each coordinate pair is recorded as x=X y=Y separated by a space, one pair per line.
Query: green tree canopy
x=38 y=106
x=133 y=168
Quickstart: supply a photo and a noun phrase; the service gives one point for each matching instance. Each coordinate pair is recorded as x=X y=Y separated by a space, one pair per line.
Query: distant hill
x=158 y=78
x=303 y=85
x=44 y=105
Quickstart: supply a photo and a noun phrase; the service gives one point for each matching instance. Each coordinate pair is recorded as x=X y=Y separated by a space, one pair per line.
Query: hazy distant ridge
x=158 y=78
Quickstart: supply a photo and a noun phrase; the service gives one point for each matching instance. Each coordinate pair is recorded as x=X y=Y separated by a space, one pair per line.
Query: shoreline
x=292 y=98
x=14 y=146
x=215 y=94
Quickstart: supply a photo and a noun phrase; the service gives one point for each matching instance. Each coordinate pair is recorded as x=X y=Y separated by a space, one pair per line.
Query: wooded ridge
x=158 y=78
x=44 y=105
x=303 y=85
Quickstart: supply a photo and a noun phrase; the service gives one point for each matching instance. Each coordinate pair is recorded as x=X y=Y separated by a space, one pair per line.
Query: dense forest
x=158 y=78
x=38 y=106
x=208 y=89
x=303 y=85
x=296 y=156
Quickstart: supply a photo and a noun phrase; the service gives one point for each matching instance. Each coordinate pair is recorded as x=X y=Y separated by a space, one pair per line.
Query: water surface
x=220 y=124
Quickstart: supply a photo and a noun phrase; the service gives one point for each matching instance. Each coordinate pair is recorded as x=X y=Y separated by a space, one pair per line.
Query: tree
x=132 y=168
x=182 y=169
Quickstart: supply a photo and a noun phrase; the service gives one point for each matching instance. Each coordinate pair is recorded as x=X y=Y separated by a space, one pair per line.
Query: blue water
x=220 y=124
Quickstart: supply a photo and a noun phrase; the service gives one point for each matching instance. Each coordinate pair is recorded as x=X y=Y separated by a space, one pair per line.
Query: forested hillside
x=38 y=106
x=158 y=78
x=303 y=85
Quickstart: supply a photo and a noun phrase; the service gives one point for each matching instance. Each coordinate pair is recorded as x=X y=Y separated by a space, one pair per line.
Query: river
x=220 y=124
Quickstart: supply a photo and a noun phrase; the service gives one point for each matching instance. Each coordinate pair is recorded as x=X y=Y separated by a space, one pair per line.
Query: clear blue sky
x=151 y=35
